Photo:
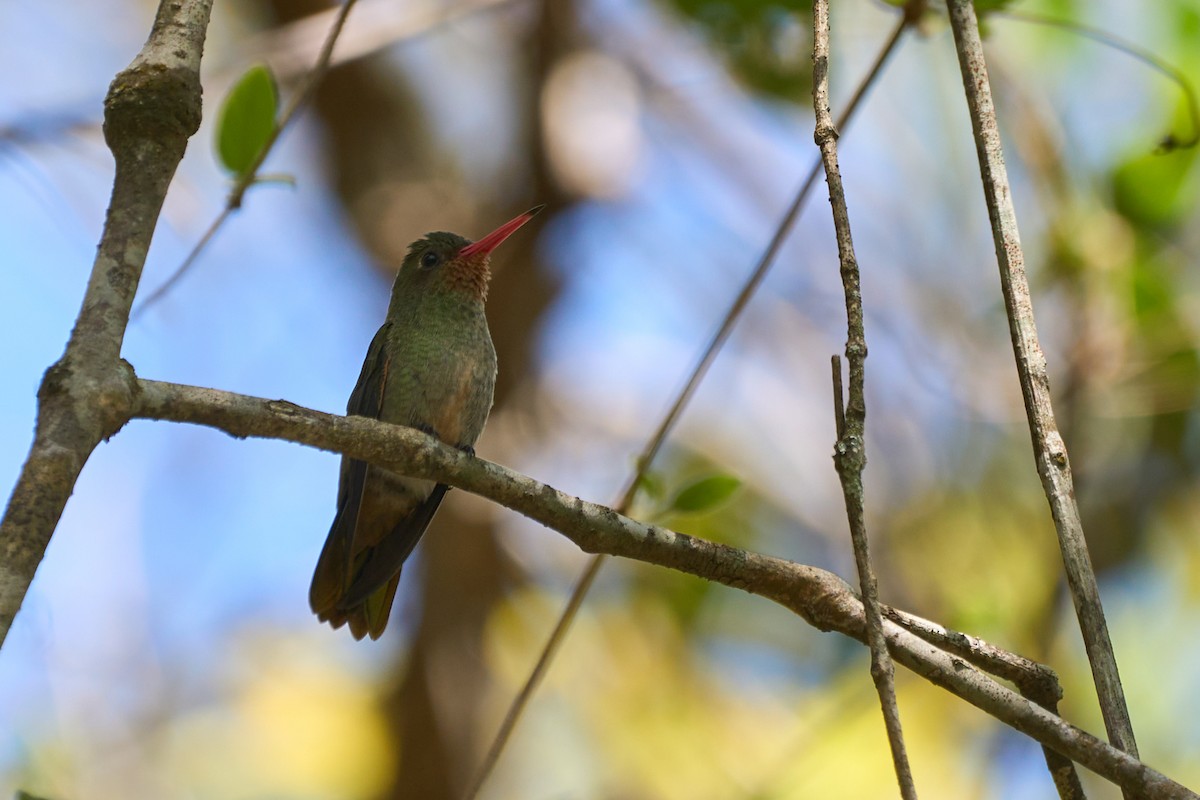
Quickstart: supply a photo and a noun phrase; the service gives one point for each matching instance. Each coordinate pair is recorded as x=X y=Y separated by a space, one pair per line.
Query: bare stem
x=185 y=265
x=1050 y=451
x=549 y=650
x=850 y=455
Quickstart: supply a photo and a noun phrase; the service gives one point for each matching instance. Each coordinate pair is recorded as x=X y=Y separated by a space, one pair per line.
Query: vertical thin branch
x=839 y=396
x=912 y=13
x=850 y=452
x=152 y=109
x=1050 y=451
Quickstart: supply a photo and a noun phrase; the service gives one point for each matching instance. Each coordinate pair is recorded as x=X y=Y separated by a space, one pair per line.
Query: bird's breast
x=450 y=411
x=443 y=382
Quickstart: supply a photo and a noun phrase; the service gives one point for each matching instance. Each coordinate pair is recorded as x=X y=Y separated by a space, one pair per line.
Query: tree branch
x=1034 y=681
x=821 y=598
x=152 y=108
x=1050 y=451
x=850 y=454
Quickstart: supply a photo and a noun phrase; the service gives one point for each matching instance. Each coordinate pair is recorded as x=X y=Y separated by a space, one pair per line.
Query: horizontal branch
x=821 y=598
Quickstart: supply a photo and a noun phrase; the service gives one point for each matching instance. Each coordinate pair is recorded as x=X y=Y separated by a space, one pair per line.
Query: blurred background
x=166 y=649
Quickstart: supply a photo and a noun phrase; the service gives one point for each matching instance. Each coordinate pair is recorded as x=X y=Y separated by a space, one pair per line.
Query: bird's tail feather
x=384 y=561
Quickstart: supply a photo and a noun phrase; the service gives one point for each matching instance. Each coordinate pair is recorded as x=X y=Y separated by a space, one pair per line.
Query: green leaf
x=247 y=119
x=1155 y=190
x=23 y=795
x=652 y=484
x=984 y=6
x=705 y=494
x=765 y=43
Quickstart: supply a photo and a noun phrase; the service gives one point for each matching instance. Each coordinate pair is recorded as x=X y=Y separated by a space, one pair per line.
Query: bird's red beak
x=490 y=242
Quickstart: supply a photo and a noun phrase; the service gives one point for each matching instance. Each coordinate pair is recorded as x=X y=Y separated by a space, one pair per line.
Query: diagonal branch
x=1050 y=451
x=821 y=598
x=1034 y=681
x=248 y=178
x=152 y=108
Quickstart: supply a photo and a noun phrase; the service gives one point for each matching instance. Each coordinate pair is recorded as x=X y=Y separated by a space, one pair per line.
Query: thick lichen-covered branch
x=152 y=108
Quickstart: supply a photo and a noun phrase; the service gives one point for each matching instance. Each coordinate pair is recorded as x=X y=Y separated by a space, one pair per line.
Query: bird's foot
x=428 y=430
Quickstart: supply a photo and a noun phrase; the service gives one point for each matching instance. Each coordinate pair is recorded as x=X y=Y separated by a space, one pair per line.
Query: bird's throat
x=469 y=275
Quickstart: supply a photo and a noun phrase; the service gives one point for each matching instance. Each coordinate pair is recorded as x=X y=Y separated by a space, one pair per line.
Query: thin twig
x=819 y=597
x=850 y=456
x=654 y=444
x=185 y=265
x=376 y=26
x=1050 y=450
x=248 y=178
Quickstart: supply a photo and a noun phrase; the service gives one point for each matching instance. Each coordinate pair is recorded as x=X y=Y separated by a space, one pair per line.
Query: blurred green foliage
x=766 y=43
x=1154 y=189
x=704 y=494
x=703 y=508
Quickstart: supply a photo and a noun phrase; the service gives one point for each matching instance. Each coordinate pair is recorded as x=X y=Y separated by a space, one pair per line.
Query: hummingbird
x=431 y=366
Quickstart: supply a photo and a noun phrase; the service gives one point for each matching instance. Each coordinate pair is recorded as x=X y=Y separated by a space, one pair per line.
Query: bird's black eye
x=430 y=260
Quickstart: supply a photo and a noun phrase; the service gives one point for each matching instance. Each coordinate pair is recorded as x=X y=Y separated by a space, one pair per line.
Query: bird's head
x=448 y=262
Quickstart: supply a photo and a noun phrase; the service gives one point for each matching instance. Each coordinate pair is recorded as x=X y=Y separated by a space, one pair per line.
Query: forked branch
x=152 y=108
